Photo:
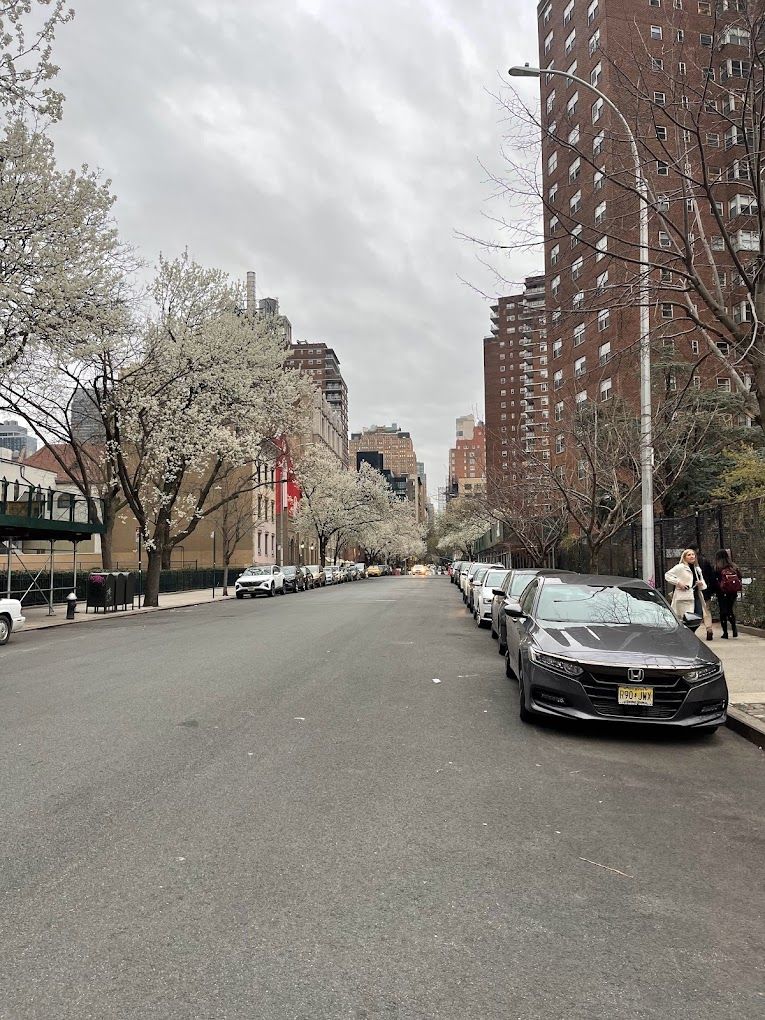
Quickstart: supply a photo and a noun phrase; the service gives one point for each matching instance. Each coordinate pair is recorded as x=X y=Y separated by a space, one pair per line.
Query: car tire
x=525 y=714
x=494 y=634
x=240 y=594
x=271 y=592
x=509 y=672
x=5 y=629
x=501 y=645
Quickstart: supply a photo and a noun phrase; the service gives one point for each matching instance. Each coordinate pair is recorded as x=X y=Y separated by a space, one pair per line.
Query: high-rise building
x=323 y=366
x=516 y=384
x=18 y=439
x=690 y=60
x=467 y=458
x=397 y=449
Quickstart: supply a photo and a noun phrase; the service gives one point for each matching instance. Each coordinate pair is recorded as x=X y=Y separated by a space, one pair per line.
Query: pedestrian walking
x=689 y=583
x=710 y=579
x=729 y=586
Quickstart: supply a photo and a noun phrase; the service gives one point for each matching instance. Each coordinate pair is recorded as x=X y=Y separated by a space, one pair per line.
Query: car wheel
x=524 y=713
x=494 y=634
x=502 y=645
x=508 y=668
x=5 y=630
x=240 y=594
x=271 y=592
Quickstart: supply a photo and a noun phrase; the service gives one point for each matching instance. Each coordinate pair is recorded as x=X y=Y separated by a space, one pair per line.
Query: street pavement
x=269 y=809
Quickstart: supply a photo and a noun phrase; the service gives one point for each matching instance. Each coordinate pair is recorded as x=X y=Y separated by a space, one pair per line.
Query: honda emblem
x=635 y=675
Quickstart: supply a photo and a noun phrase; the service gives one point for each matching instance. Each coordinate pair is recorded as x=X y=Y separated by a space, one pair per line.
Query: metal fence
x=169 y=581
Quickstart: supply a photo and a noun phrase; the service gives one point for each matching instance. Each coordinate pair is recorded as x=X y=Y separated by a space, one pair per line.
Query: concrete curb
x=125 y=615
x=746 y=726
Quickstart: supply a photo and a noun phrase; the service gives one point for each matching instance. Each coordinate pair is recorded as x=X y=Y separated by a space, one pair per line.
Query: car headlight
x=709 y=671
x=555 y=663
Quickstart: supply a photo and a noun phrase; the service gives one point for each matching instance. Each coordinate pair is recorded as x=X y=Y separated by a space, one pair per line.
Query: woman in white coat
x=689 y=582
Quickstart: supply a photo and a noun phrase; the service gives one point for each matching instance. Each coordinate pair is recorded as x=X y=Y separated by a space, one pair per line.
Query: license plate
x=636 y=696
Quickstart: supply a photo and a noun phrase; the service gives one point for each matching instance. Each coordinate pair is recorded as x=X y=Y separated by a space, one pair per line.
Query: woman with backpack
x=728 y=588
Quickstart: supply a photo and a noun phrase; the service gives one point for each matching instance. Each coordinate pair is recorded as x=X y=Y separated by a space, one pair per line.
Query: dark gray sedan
x=597 y=647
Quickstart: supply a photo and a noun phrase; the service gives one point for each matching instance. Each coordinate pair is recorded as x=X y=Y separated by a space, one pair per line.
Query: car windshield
x=479 y=575
x=289 y=571
x=585 y=603
x=257 y=570
x=494 y=578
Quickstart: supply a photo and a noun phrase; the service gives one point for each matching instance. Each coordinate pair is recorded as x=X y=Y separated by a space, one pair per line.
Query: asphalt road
x=269 y=810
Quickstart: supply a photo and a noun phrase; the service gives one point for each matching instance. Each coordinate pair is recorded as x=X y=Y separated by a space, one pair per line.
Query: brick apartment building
x=689 y=60
x=467 y=458
x=516 y=383
x=322 y=364
x=399 y=458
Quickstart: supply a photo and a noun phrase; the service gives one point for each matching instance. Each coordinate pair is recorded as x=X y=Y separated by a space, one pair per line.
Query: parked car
x=419 y=570
x=467 y=571
x=508 y=594
x=598 y=647
x=361 y=570
x=374 y=571
x=332 y=575
x=260 y=581
x=475 y=578
x=319 y=577
x=483 y=594
x=308 y=581
x=293 y=579
x=11 y=619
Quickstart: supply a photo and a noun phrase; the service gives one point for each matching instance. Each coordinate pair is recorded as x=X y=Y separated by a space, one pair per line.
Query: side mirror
x=513 y=608
x=692 y=621
x=499 y=592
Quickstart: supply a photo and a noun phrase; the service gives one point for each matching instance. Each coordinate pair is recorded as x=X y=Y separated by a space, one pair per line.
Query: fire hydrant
x=71 y=605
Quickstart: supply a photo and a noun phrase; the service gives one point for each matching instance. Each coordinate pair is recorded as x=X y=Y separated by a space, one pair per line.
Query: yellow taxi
x=419 y=570
x=374 y=571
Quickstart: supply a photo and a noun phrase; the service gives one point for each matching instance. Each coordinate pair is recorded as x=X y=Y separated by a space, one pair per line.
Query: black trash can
x=131 y=587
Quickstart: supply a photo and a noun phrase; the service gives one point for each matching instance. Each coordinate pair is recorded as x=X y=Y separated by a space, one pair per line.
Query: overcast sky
x=332 y=146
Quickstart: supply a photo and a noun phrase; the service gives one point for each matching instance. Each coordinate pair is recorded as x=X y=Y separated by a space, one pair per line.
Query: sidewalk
x=37 y=617
x=744 y=661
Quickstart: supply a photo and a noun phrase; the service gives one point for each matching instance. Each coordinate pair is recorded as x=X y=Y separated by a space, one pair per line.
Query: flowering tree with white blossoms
x=462 y=525
x=26 y=44
x=336 y=503
x=204 y=393
x=397 y=536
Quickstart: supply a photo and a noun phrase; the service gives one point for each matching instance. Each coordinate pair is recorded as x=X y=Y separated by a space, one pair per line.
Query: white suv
x=260 y=581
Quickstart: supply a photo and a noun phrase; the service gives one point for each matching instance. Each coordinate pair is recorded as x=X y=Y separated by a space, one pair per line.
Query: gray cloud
x=332 y=146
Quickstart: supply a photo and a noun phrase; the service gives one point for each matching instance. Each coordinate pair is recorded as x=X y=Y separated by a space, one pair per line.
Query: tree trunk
x=107 y=546
x=322 y=553
x=593 y=558
x=225 y=576
x=151 y=590
x=167 y=553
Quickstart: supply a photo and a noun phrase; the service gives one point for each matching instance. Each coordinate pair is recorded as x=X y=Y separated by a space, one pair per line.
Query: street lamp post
x=212 y=536
x=646 y=415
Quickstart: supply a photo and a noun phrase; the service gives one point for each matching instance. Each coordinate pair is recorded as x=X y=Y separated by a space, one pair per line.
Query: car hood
x=616 y=644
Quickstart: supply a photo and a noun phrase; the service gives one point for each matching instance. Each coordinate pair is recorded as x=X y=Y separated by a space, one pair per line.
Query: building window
x=576 y=269
x=559 y=444
x=604 y=353
x=580 y=367
x=723 y=384
x=662 y=168
x=596 y=74
x=579 y=334
x=601 y=283
x=577 y=230
x=550 y=102
x=598 y=180
x=656 y=31
x=594 y=42
x=657 y=64
x=552 y=163
x=597 y=110
x=667 y=310
x=597 y=143
x=554 y=254
x=558 y=379
x=605 y=390
x=601 y=247
x=706 y=40
x=600 y=213
x=570 y=43
x=552 y=194
x=660 y=98
x=592 y=12
x=604 y=317
x=574 y=170
x=558 y=415
x=665 y=241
